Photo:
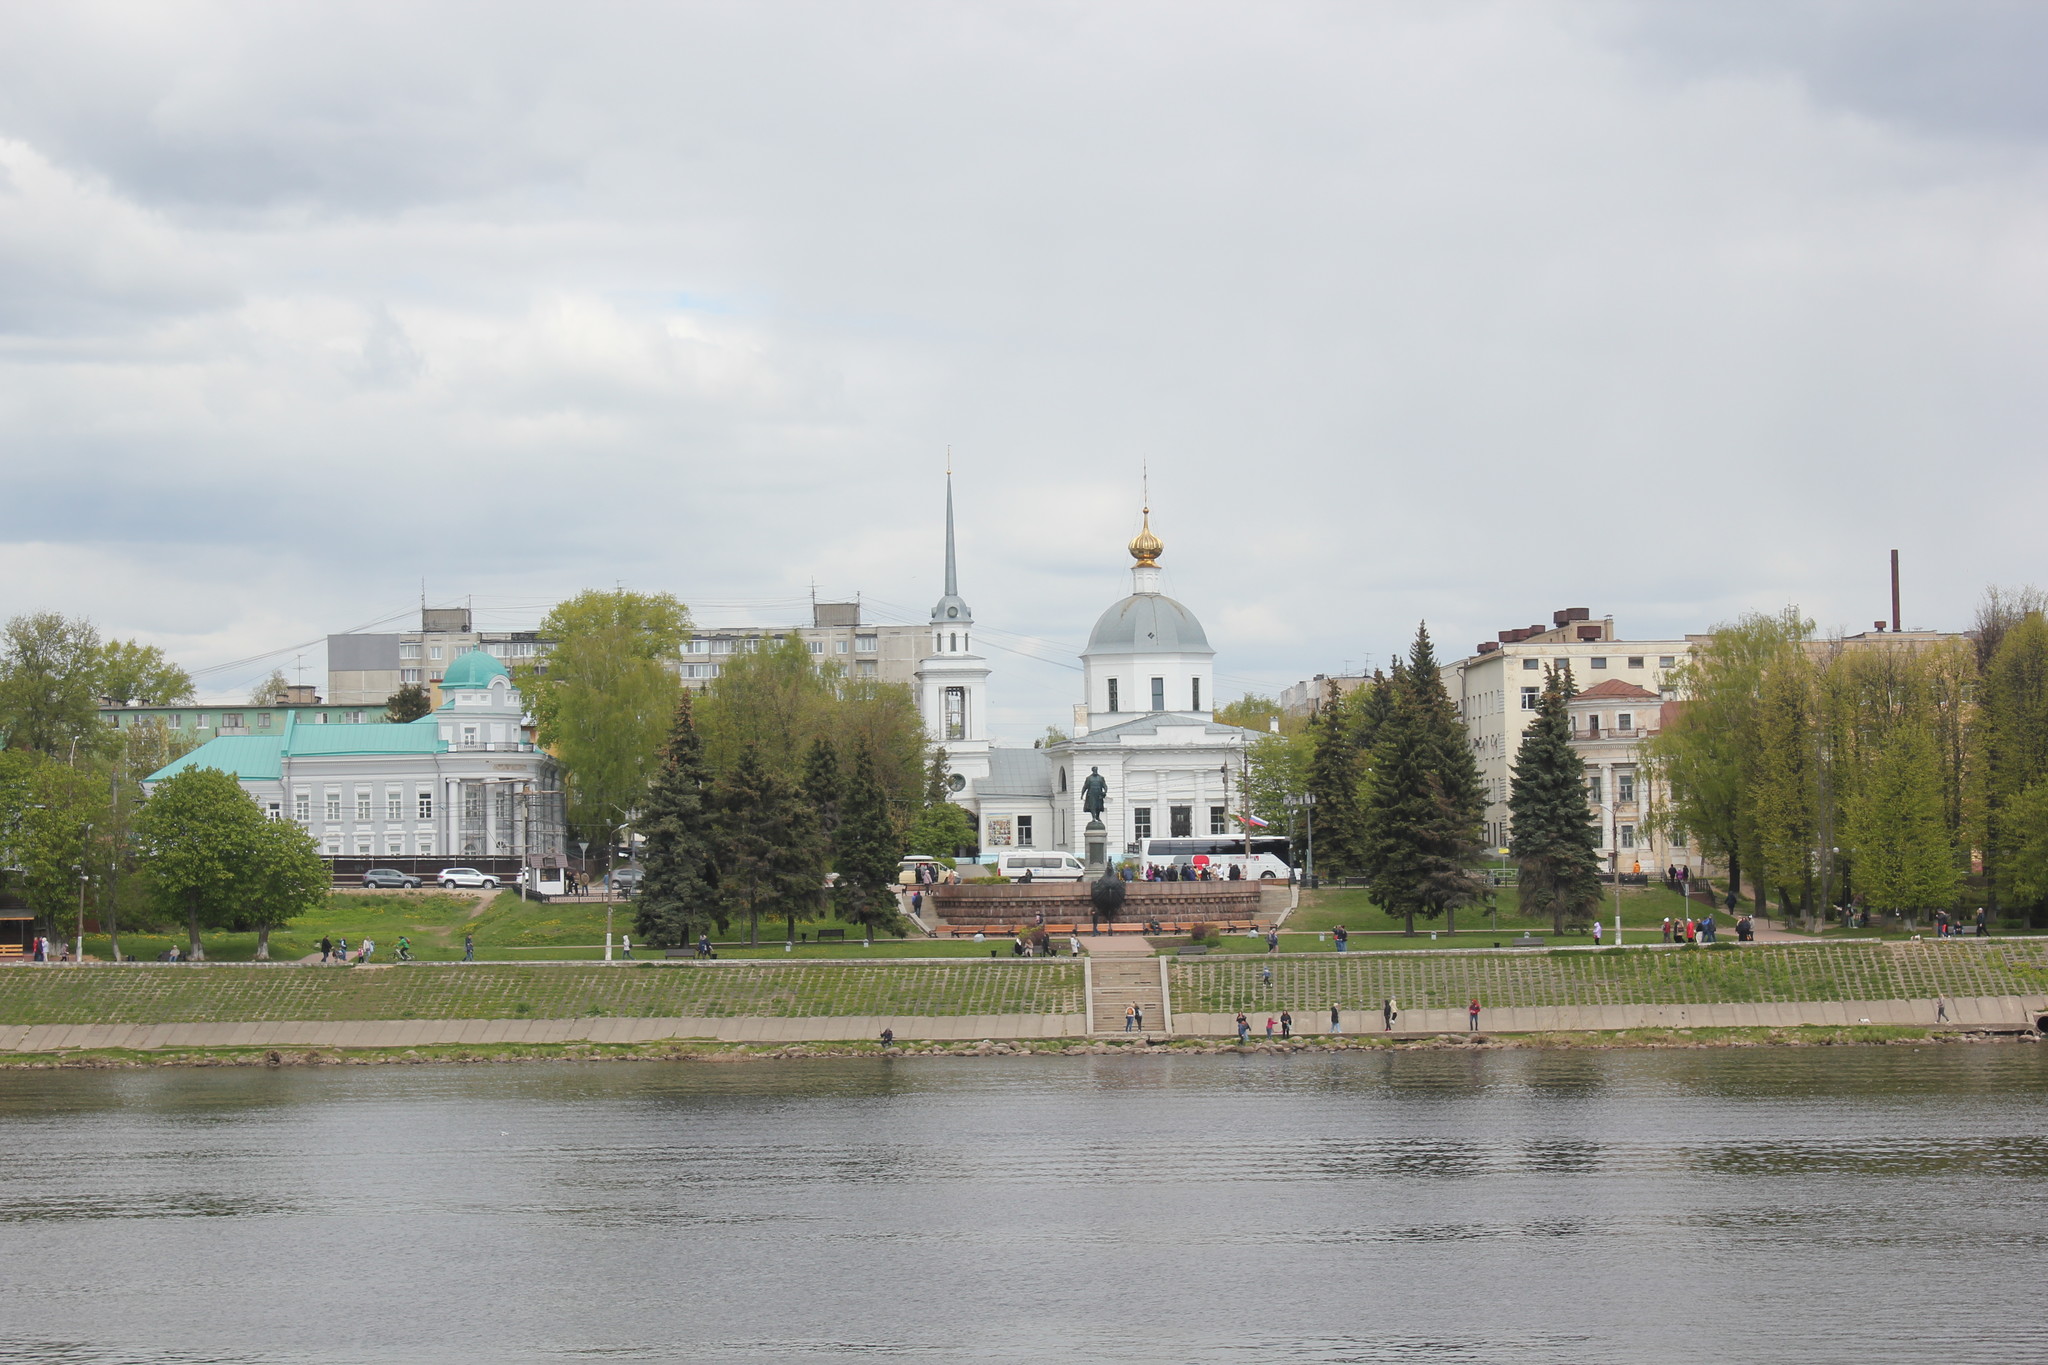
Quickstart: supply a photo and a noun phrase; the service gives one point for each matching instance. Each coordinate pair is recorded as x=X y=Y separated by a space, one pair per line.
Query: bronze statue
x=1094 y=793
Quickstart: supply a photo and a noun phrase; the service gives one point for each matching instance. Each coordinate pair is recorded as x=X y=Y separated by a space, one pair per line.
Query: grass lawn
x=1642 y=908
x=506 y=928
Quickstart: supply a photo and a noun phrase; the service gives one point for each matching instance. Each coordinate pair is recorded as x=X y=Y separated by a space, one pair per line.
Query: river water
x=1852 y=1205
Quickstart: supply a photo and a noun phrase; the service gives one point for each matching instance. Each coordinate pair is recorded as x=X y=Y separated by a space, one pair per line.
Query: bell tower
x=952 y=680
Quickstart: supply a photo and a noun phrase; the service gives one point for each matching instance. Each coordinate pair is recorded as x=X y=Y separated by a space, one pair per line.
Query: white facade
x=463 y=781
x=1145 y=723
x=1496 y=689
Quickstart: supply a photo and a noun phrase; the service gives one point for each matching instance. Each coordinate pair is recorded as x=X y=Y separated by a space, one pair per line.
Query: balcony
x=480 y=746
x=1614 y=732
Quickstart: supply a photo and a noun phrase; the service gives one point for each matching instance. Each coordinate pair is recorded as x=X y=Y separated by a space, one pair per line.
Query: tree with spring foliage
x=200 y=833
x=679 y=897
x=1904 y=859
x=1784 y=793
x=1556 y=840
x=2013 y=749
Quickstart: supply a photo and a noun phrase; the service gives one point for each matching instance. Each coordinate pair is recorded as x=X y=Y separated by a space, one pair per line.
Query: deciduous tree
x=49 y=684
x=1903 y=855
x=200 y=830
x=130 y=671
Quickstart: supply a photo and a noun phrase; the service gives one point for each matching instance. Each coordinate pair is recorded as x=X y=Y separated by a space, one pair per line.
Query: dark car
x=390 y=878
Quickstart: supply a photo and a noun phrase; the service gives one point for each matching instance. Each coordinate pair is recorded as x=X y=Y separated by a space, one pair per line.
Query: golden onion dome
x=1146 y=547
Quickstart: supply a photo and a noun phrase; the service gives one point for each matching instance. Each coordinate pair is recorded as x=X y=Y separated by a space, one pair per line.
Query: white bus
x=1268 y=857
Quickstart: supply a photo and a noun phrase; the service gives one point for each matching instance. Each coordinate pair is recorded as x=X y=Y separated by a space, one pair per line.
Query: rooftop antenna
x=302 y=670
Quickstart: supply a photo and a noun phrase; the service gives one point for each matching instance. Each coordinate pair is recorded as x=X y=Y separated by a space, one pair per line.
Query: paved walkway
x=2007 y=1011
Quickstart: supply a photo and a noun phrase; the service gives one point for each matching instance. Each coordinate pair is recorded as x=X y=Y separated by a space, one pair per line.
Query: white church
x=1146 y=723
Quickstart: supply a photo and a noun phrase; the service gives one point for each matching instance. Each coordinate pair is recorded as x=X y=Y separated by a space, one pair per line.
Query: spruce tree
x=866 y=852
x=679 y=897
x=823 y=789
x=1423 y=803
x=1556 y=840
x=771 y=861
x=1335 y=771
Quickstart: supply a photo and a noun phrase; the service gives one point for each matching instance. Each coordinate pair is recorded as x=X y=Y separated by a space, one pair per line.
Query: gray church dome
x=1148 y=623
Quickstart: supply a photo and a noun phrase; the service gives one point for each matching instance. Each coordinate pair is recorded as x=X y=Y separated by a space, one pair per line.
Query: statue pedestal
x=1095 y=839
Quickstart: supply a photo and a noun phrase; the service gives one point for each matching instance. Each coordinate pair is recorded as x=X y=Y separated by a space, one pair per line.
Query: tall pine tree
x=823 y=789
x=679 y=898
x=866 y=852
x=1556 y=840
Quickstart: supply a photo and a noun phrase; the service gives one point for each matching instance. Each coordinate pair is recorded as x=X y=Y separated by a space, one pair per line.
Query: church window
x=953 y=642
x=1063 y=779
x=1159 y=694
x=956 y=713
x=1197 y=685
x=1219 y=820
x=1180 y=821
x=1141 y=822
x=1112 y=695
x=1024 y=831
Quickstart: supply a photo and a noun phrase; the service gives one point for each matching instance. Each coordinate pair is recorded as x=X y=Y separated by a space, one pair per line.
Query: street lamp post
x=1307 y=802
x=78 y=942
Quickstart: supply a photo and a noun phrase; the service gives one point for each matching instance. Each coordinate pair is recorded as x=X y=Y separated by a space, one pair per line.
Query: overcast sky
x=1463 y=312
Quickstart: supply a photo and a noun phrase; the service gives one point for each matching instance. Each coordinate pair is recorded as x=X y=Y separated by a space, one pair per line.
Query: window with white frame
x=333 y=804
x=1159 y=694
x=840 y=646
x=1141 y=822
x=1593 y=789
x=1532 y=664
x=1597 y=661
x=1113 y=708
x=426 y=804
x=302 y=806
x=1625 y=720
x=1628 y=836
x=1667 y=661
x=362 y=845
x=434 y=652
x=425 y=844
x=408 y=675
x=1635 y=661
x=409 y=651
x=1529 y=695
x=1624 y=786
x=1024 y=832
x=333 y=846
x=394 y=845
x=866 y=668
x=1219 y=820
x=394 y=803
x=866 y=644
x=362 y=803
x=469 y=734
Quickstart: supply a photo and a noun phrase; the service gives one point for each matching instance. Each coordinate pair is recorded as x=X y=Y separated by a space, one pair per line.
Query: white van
x=1043 y=867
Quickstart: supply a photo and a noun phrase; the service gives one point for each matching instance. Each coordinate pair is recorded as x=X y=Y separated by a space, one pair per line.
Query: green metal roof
x=474 y=669
x=253 y=758
x=410 y=738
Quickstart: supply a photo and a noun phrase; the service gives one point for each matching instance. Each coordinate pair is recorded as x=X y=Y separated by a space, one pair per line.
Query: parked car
x=390 y=878
x=468 y=877
x=626 y=880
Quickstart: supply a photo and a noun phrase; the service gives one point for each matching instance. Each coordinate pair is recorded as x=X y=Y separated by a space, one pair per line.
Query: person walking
x=1343 y=937
x=1273 y=940
x=1596 y=933
x=326 y=949
x=1941 y=1009
x=1667 y=928
x=1244 y=1028
x=1130 y=1018
x=1271 y=1024
x=1387 y=1015
x=1472 y=1016
x=1074 y=944
x=1286 y=1024
x=469 y=947
x=341 y=949
x=1983 y=925
x=369 y=946
x=1336 y=1020
x=626 y=946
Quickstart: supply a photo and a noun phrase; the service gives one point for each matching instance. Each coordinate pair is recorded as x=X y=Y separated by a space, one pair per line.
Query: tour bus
x=1268 y=858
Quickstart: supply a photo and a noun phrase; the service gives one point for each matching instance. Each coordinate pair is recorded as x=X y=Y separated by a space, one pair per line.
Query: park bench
x=824 y=934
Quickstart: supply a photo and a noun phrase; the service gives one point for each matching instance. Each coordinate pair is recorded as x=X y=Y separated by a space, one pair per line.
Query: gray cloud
x=1466 y=312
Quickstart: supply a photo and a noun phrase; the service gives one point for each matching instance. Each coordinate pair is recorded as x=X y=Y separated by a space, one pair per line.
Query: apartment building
x=364 y=670
x=1496 y=688
x=836 y=635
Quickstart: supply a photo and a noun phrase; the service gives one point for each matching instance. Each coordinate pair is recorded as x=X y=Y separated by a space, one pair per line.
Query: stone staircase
x=1120 y=982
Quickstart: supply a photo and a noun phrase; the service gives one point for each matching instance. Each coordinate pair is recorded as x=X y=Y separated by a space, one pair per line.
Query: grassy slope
x=152 y=994
x=1758 y=972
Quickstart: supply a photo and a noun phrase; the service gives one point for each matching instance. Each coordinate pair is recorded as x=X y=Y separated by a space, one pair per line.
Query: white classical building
x=1145 y=722
x=463 y=781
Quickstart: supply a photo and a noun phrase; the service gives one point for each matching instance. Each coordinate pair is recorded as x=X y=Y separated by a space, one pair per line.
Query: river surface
x=1852 y=1205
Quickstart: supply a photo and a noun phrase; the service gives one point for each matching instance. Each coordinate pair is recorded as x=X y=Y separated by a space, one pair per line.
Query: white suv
x=452 y=877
